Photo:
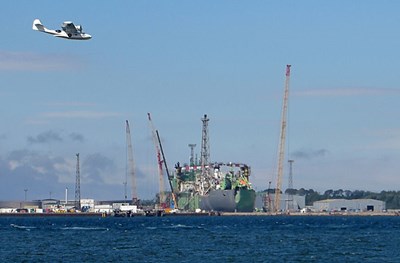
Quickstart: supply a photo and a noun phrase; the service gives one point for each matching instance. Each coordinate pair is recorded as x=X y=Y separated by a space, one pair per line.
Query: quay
x=181 y=214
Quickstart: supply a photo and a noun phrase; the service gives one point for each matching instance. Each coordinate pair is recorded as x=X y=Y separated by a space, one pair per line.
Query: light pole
x=66 y=195
x=25 y=190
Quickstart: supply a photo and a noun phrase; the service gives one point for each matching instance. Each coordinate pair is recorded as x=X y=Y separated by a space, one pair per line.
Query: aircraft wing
x=69 y=28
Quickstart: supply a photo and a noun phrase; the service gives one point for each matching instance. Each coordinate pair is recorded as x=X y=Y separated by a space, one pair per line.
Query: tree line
x=392 y=198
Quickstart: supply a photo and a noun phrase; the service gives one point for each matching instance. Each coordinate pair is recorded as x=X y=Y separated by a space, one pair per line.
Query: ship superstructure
x=217 y=186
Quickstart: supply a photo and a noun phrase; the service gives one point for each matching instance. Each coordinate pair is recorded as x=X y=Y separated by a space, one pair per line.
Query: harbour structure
x=213 y=186
x=58 y=207
x=352 y=205
x=297 y=202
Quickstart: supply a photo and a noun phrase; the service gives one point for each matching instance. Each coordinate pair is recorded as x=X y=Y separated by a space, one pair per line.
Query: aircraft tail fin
x=37 y=25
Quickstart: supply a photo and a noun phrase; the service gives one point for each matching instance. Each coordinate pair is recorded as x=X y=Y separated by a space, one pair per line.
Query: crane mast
x=281 y=153
x=131 y=170
x=159 y=161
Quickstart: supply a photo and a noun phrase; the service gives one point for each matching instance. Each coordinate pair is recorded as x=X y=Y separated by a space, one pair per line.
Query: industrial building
x=61 y=206
x=287 y=202
x=354 y=205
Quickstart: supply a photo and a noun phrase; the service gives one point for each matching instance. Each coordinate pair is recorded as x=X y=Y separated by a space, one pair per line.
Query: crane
x=159 y=161
x=282 y=142
x=166 y=169
x=131 y=169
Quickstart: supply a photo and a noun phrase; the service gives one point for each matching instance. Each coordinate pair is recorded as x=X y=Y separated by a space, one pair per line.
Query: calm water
x=200 y=239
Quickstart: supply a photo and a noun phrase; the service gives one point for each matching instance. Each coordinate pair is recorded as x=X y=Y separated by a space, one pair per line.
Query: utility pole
x=77 y=185
x=290 y=186
x=125 y=183
x=66 y=195
x=282 y=142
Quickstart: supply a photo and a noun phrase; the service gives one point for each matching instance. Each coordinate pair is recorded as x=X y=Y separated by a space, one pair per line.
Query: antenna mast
x=78 y=185
x=282 y=142
x=205 y=157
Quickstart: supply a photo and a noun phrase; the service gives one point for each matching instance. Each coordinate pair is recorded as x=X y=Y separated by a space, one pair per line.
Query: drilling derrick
x=131 y=170
x=77 y=185
x=159 y=162
x=282 y=142
x=204 y=180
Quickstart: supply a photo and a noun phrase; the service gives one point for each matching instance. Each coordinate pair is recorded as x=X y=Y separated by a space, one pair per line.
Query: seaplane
x=68 y=30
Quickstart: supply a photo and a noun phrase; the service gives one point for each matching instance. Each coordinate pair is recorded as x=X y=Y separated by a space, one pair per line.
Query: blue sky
x=180 y=60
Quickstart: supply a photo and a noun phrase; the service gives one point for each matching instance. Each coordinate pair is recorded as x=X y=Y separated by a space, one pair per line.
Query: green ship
x=220 y=187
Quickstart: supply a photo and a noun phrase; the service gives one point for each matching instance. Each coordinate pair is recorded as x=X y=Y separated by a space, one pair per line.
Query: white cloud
x=28 y=61
x=387 y=139
x=346 y=92
x=81 y=114
x=71 y=104
x=13 y=164
x=65 y=170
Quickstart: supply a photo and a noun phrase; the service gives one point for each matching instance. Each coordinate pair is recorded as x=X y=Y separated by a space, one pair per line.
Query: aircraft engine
x=79 y=28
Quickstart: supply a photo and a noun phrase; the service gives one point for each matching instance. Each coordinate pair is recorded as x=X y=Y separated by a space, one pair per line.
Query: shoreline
x=394 y=213
x=295 y=214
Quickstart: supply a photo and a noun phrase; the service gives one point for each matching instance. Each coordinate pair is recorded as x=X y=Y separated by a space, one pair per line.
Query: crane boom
x=131 y=164
x=282 y=142
x=159 y=161
x=166 y=169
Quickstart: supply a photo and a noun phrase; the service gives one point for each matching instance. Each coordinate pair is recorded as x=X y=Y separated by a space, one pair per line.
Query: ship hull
x=241 y=200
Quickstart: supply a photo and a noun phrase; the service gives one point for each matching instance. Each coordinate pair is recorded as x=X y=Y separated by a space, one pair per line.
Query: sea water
x=201 y=239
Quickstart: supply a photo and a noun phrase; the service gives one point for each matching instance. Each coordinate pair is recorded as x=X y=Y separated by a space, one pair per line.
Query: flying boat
x=68 y=30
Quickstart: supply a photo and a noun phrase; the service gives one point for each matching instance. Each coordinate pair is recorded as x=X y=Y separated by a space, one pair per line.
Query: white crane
x=282 y=142
x=131 y=170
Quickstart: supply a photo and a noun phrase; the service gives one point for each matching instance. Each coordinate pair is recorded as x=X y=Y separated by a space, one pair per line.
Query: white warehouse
x=360 y=205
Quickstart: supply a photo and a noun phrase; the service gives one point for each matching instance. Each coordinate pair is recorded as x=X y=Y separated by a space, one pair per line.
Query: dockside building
x=354 y=205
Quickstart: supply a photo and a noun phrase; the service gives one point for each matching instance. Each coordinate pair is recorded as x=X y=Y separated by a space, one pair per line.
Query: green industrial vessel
x=222 y=187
